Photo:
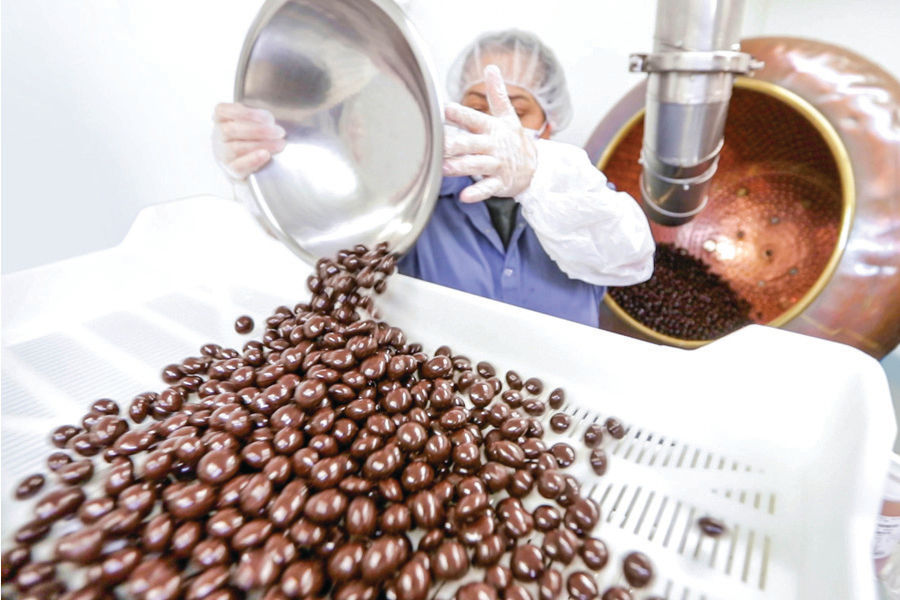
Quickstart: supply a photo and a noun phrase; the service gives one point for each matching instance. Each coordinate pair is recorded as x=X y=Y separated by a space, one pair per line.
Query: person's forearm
x=592 y=232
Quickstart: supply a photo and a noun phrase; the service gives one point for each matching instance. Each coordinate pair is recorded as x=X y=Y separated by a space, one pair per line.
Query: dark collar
x=477 y=213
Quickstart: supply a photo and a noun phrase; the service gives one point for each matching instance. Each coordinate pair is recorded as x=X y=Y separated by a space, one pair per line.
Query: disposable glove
x=494 y=147
x=244 y=139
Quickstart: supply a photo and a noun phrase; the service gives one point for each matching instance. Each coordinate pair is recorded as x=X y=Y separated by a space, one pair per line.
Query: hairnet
x=525 y=62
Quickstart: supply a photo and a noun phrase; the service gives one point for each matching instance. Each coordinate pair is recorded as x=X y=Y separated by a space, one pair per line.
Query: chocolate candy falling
x=300 y=466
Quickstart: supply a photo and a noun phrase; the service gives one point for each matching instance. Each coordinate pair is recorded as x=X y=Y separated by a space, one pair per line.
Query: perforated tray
x=783 y=437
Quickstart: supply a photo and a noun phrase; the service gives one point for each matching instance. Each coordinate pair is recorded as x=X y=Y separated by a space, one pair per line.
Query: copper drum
x=803 y=219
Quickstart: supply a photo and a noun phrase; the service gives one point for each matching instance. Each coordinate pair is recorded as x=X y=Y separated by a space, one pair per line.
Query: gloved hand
x=244 y=139
x=495 y=146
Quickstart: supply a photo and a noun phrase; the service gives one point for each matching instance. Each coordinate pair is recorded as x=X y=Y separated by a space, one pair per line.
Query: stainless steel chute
x=696 y=56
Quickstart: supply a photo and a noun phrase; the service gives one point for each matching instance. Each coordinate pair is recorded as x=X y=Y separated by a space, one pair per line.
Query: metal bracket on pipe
x=720 y=61
x=703 y=177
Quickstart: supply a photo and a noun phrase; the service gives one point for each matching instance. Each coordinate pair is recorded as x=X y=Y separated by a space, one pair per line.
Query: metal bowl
x=351 y=86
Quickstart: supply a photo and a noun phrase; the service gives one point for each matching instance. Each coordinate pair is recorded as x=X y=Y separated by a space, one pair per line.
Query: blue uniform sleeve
x=409 y=264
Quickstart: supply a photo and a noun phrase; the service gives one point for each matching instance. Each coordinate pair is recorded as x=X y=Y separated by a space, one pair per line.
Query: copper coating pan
x=804 y=213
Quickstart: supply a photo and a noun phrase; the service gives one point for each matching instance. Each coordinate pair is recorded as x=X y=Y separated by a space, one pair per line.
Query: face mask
x=536 y=133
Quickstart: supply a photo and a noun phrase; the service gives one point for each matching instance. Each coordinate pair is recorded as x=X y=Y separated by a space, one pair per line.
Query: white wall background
x=106 y=104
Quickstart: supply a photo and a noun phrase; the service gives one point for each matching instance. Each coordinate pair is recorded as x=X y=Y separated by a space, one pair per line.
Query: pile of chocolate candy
x=330 y=459
x=683 y=298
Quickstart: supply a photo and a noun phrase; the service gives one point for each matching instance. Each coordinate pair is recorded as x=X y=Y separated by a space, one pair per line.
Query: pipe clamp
x=719 y=61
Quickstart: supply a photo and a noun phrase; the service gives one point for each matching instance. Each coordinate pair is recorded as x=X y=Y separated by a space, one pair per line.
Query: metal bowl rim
x=428 y=78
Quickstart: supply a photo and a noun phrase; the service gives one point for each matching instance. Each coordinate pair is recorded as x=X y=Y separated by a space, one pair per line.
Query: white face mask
x=536 y=133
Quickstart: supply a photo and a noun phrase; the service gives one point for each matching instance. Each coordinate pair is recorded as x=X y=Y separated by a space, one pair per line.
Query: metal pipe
x=696 y=56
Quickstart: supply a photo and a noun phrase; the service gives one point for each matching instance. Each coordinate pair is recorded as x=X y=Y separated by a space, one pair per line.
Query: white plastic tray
x=785 y=438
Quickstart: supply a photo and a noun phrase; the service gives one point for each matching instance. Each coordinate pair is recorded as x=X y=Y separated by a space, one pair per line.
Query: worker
x=520 y=218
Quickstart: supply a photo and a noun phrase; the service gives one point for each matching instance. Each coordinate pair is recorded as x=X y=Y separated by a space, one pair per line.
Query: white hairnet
x=525 y=62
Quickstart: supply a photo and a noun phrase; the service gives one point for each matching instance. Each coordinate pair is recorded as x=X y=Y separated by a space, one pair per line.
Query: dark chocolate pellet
x=191 y=501
x=345 y=562
x=533 y=447
x=207 y=582
x=526 y=562
x=120 y=521
x=92 y=510
x=519 y=523
x=489 y=550
x=61 y=435
x=516 y=592
x=224 y=523
x=533 y=385
x=485 y=369
x=31 y=532
x=29 y=486
x=481 y=393
x=512 y=398
x=599 y=461
x=210 y=552
x=13 y=559
x=107 y=429
x=581 y=586
x=427 y=510
x=58 y=503
x=450 y=561
x=514 y=380
x=172 y=373
x=186 y=538
x=520 y=484
x=564 y=454
x=546 y=518
x=498 y=577
x=256 y=569
x=35 y=573
x=581 y=516
x=593 y=435
x=560 y=545
x=560 y=422
x=383 y=558
x=551 y=484
x=82 y=546
x=154 y=578
x=325 y=507
x=507 y=453
x=615 y=428
x=594 y=554
x=711 y=527
x=57 y=460
x=82 y=444
x=476 y=591
x=76 y=473
x=637 y=569
x=617 y=593
x=250 y=534
x=550 y=584
x=243 y=324
x=534 y=407
x=117 y=565
x=556 y=398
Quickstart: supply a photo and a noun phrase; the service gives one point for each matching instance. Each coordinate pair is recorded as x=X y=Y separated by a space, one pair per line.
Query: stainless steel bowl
x=349 y=82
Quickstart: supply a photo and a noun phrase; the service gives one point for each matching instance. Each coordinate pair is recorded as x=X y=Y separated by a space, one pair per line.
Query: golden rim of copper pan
x=848 y=204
